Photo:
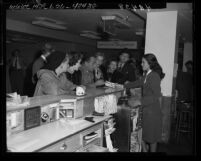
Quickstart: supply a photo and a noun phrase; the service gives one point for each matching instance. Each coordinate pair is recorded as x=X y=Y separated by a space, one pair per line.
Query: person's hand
x=91 y=85
x=126 y=82
x=119 y=86
x=99 y=82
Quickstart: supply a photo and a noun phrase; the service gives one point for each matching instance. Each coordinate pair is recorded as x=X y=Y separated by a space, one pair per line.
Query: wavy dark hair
x=87 y=58
x=111 y=60
x=56 y=58
x=125 y=50
x=100 y=54
x=74 y=57
x=154 y=65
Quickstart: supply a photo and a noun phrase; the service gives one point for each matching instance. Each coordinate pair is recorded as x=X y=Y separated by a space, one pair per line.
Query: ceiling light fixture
x=90 y=32
x=49 y=23
x=50 y=20
x=117 y=21
x=91 y=36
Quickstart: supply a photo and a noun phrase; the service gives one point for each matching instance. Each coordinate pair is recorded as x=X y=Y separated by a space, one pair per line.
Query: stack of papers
x=110 y=84
x=113 y=85
x=90 y=136
x=13 y=99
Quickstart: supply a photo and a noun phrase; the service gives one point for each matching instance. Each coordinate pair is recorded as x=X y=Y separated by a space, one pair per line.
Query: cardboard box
x=15 y=122
x=71 y=108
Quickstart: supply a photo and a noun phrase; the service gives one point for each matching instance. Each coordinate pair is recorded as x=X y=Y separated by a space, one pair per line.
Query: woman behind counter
x=52 y=79
x=152 y=116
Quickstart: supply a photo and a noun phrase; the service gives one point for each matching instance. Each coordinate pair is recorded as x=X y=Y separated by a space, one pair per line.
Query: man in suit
x=87 y=70
x=17 y=67
x=41 y=61
x=184 y=83
x=100 y=70
x=125 y=68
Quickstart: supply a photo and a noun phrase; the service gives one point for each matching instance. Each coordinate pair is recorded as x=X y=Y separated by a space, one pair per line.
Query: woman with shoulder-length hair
x=113 y=75
x=52 y=79
x=152 y=116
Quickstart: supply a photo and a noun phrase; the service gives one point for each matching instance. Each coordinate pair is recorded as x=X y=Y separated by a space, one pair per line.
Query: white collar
x=147 y=75
x=44 y=58
x=149 y=71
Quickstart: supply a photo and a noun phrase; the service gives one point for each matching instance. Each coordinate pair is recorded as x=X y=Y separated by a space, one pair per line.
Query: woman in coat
x=52 y=78
x=152 y=116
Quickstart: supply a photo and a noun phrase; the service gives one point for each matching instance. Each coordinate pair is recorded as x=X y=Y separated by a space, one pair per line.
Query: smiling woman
x=52 y=79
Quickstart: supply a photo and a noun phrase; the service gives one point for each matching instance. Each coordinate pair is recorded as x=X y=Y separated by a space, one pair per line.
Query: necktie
x=98 y=74
x=122 y=65
x=15 y=64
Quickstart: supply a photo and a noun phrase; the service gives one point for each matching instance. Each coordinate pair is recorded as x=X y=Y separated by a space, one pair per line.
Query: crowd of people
x=92 y=70
x=57 y=73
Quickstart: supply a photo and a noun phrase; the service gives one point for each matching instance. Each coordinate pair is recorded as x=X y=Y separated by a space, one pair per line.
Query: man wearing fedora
x=41 y=61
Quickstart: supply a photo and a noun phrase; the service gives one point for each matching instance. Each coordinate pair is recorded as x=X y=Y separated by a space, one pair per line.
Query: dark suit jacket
x=114 y=77
x=184 y=85
x=128 y=73
x=104 y=72
x=75 y=77
x=22 y=63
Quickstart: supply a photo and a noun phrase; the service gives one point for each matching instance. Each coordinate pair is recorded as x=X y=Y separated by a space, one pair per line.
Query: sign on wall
x=117 y=44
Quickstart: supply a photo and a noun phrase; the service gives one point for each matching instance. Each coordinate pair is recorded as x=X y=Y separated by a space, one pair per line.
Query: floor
x=185 y=145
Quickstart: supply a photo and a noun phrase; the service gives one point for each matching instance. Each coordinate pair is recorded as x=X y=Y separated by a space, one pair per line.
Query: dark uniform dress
x=152 y=116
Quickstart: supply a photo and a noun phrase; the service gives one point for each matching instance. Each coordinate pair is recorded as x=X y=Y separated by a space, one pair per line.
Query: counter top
x=48 y=99
x=34 y=139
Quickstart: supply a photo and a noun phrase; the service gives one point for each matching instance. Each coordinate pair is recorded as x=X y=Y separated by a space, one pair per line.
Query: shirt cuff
x=44 y=58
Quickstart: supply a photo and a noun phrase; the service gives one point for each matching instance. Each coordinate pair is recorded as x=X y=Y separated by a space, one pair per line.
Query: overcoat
x=152 y=116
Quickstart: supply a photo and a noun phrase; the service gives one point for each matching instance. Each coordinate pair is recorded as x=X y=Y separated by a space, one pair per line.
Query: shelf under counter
x=53 y=136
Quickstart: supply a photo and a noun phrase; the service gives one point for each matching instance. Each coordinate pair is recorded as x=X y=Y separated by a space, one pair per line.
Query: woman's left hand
x=126 y=82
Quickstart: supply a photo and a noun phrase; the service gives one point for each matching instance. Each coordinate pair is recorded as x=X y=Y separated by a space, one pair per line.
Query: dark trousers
x=16 y=80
